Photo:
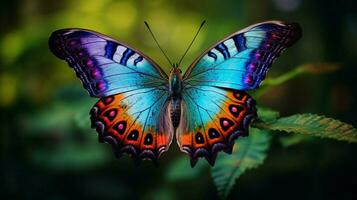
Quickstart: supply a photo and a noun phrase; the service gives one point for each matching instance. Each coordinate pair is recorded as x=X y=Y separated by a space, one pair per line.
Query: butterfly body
x=175 y=90
x=141 y=108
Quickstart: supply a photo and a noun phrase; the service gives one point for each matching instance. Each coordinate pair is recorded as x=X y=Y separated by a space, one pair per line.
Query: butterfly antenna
x=189 y=46
x=152 y=34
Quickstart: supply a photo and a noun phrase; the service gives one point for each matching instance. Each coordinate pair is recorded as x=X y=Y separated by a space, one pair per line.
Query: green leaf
x=310 y=68
x=248 y=153
x=314 y=125
x=266 y=114
x=316 y=68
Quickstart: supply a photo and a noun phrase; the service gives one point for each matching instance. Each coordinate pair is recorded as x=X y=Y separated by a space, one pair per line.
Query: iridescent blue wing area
x=133 y=90
x=216 y=109
x=104 y=65
x=242 y=60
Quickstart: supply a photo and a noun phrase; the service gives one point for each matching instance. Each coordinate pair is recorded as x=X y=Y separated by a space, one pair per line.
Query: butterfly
x=141 y=107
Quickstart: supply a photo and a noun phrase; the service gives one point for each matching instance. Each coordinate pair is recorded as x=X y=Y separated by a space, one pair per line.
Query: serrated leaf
x=267 y=114
x=248 y=153
x=314 y=125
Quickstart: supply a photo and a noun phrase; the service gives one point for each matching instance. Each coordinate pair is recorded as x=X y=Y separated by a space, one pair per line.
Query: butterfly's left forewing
x=217 y=110
x=133 y=90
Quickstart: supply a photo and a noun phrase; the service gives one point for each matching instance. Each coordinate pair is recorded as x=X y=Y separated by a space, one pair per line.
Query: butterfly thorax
x=175 y=81
x=175 y=88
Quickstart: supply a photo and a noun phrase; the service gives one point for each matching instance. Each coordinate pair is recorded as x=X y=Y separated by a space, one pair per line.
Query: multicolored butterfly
x=141 y=107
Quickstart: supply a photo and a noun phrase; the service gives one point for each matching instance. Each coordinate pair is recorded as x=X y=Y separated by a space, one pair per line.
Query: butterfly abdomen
x=175 y=111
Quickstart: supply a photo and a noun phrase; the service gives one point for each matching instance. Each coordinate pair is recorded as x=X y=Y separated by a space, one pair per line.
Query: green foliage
x=71 y=156
x=313 y=125
x=67 y=130
x=267 y=114
x=248 y=153
x=290 y=140
x=179 y=170
x=251 y=151
x=64 y=115
x=310 y=68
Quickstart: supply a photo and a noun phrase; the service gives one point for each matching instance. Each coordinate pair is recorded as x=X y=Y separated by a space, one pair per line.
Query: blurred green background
x=48 y=150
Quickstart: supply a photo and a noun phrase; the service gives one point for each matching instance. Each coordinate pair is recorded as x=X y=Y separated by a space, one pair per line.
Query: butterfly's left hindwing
x=133 y=123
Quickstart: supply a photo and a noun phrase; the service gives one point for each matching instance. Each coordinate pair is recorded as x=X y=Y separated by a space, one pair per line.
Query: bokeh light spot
x=11 y=47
